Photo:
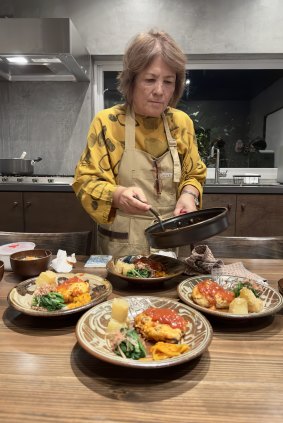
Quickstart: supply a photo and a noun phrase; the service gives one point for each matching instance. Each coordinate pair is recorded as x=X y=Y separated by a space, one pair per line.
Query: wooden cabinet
x=259 y=215
x=42 y=212
x=250 y=214
x=11 y=211
x=226 y=200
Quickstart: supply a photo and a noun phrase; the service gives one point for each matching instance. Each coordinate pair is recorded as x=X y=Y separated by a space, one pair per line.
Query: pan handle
x=36 y=160
x=154 y=212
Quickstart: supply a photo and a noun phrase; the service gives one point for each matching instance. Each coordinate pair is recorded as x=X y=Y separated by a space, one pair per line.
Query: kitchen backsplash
x=45 y=119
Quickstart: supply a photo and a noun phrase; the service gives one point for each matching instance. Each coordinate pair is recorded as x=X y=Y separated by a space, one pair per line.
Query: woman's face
x=153 y=88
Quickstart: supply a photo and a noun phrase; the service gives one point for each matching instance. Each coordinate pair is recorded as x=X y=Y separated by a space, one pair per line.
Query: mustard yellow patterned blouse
x=97 y=170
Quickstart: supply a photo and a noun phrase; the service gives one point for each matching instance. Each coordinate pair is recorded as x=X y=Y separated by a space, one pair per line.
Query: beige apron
x=157 y=177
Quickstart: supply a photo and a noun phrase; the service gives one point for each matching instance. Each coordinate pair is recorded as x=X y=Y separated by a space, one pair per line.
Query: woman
x=143 y=153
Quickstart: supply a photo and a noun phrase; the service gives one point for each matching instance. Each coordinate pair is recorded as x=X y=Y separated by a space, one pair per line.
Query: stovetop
x=36 y=179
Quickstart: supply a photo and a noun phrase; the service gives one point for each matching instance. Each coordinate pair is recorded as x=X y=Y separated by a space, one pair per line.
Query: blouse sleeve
x=94 y=181
x=193 y=168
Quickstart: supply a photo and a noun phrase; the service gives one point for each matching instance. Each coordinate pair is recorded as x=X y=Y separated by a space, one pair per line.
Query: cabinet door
x=54 y=212
x=223 y=200
x=11 y=212
x=259 y=215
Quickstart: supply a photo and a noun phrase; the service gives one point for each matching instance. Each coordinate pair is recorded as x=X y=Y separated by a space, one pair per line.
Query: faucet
x=217 y=164
x=212 y=153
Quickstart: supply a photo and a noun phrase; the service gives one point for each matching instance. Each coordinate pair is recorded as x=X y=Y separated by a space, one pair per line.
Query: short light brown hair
x=140 y=53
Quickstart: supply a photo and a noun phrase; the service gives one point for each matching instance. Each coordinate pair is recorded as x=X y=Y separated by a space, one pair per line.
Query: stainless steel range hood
x=48 y=49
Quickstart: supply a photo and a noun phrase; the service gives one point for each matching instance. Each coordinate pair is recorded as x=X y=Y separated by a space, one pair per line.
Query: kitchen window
x=236 y=105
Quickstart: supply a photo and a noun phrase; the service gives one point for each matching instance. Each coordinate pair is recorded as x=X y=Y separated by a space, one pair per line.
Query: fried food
x=255 y=305
x=72 y=288
x=210 y=294
x=239 y=306
x=160 y=325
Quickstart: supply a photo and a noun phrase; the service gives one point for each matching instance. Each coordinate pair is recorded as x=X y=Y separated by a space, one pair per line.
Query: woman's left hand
x=185 y=204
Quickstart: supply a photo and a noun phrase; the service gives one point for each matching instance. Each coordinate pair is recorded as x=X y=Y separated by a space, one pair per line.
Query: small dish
x=172 y=267
x=271 y=298
x=20 y=297
x=91 y=331
x=30 y=263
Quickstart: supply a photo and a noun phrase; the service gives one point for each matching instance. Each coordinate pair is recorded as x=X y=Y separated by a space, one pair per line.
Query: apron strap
x=130 y=130
x=173 y=150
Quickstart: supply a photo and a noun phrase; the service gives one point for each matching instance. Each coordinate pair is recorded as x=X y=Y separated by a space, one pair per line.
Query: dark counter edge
x=208 y=189
x=244 y=189
x=21 y=187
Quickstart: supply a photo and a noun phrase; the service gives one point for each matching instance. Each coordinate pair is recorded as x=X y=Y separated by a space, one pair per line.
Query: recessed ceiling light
x=20 y=60
x=46 y=60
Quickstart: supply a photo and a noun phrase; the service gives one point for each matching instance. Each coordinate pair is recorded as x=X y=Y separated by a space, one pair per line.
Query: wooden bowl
x=1 y=269
x=30 y=263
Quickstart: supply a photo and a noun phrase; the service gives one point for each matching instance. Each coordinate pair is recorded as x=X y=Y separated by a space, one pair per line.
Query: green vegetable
x=51 y=301
x=139 y=273
x=248 y=285
x=131 y=346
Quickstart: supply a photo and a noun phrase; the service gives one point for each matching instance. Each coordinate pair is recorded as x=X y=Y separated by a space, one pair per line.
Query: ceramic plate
x=173 y=267
x=271 y=298
x=20 y=297
x=91 y=327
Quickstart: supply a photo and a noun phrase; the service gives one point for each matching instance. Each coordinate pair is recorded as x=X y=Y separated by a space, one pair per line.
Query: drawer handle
x=28 y=204
x=15 y=203
x=229 y=206
x=243 y=206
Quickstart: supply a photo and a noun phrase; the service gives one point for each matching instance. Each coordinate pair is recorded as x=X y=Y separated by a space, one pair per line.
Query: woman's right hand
x=130 y=200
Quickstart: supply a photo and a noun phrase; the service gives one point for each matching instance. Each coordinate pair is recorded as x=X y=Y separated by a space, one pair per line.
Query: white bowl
x=7 y=249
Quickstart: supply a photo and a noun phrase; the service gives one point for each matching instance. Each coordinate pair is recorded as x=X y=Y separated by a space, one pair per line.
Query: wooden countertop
x=45 y=376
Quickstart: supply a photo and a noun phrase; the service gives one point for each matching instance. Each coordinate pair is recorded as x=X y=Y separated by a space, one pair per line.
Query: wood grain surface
x=45 y=376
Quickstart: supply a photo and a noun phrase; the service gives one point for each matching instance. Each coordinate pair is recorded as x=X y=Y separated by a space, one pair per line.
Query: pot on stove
x=18 y=166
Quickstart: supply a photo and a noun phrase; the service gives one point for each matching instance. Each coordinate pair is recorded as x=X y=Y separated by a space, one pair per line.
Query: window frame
x=199 y=62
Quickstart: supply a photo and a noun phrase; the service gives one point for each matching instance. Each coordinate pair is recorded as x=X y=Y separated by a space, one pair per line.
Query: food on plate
x=243 y=298
x=128 y=344
x=255 y=305
x=72 y=288
x=161 y=324
x=123 y=268
x=53 y=292
x=120 y=308
x=50 y=301
x=238 y=306
x=46 y=278
x=162 y=350
x=139 y=267
x=210 y=294
x=119 y=315
x=254 y=287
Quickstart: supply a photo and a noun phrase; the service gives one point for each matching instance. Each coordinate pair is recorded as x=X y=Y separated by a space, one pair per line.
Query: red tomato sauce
x=167 y=317
x=209 y=289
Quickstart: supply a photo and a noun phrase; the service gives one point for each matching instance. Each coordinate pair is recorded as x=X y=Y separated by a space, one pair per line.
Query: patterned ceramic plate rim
x=93 y=279
x=90 y=331
x=148 y=280
x=272 y=299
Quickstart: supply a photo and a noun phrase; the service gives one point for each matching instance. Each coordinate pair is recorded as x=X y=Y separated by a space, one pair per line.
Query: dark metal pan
x=187 y=228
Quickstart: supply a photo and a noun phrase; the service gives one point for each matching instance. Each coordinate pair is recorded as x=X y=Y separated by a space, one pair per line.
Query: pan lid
x=188 y=228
